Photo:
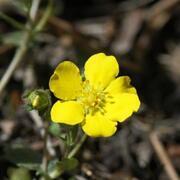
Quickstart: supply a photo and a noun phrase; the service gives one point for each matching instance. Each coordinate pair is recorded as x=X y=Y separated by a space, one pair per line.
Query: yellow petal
x=100 y=70
x=122 y=106
x=124 y=100
x=65 y=83
x=120 y=85
x=98 y=126
x=70 y=112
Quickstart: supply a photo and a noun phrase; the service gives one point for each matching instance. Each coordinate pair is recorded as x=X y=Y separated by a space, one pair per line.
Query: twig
x=89 y=44
x=77 y=147
x=163 y=156
x=159 y=8
x=20 y=51
x=155 y=18
x=131 y=5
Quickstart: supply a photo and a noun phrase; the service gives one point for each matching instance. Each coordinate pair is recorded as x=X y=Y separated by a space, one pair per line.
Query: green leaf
x=55 y=129
x=23 y=157
x=11 y=21
x=12 y=38
x=56 y=167
x=18 y=173
x=69 y=163
x=22 y=5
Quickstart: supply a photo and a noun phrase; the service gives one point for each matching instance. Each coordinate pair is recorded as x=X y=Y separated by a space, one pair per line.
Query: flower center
x=93 y=100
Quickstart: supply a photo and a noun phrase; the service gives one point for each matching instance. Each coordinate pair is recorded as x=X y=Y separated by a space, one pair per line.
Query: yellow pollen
x=93 y=100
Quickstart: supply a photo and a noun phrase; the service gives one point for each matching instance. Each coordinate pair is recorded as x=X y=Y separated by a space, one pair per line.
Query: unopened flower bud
x=38 y=99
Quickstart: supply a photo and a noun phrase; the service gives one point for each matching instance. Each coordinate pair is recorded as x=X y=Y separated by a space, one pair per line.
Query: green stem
x=21 y=51
x=45 y=17
x=45 y=152
x=34 y=9
x=74 y=151
x=16 y=60
x=12 y=21
x=67 y=144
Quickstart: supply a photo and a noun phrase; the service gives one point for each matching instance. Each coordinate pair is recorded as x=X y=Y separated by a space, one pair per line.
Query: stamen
x=94 y=100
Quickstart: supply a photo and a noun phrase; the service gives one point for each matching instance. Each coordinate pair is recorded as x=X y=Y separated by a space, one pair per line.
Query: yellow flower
x=96 y=102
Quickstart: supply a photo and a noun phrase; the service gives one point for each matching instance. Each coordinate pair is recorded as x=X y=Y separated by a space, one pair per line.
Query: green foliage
x=71 y=134
x=11 y=38
x=56 y=130
x=69 y=164
x=22 y=5
x=23 y=157
x=18 y=173
x=67 y=133
x=56 y=168
x=11 y=21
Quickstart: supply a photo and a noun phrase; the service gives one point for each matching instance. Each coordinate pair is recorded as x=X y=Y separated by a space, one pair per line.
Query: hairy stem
x=74 y=151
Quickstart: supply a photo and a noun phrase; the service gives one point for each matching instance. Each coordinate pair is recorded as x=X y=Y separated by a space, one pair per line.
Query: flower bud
x=38 y=99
